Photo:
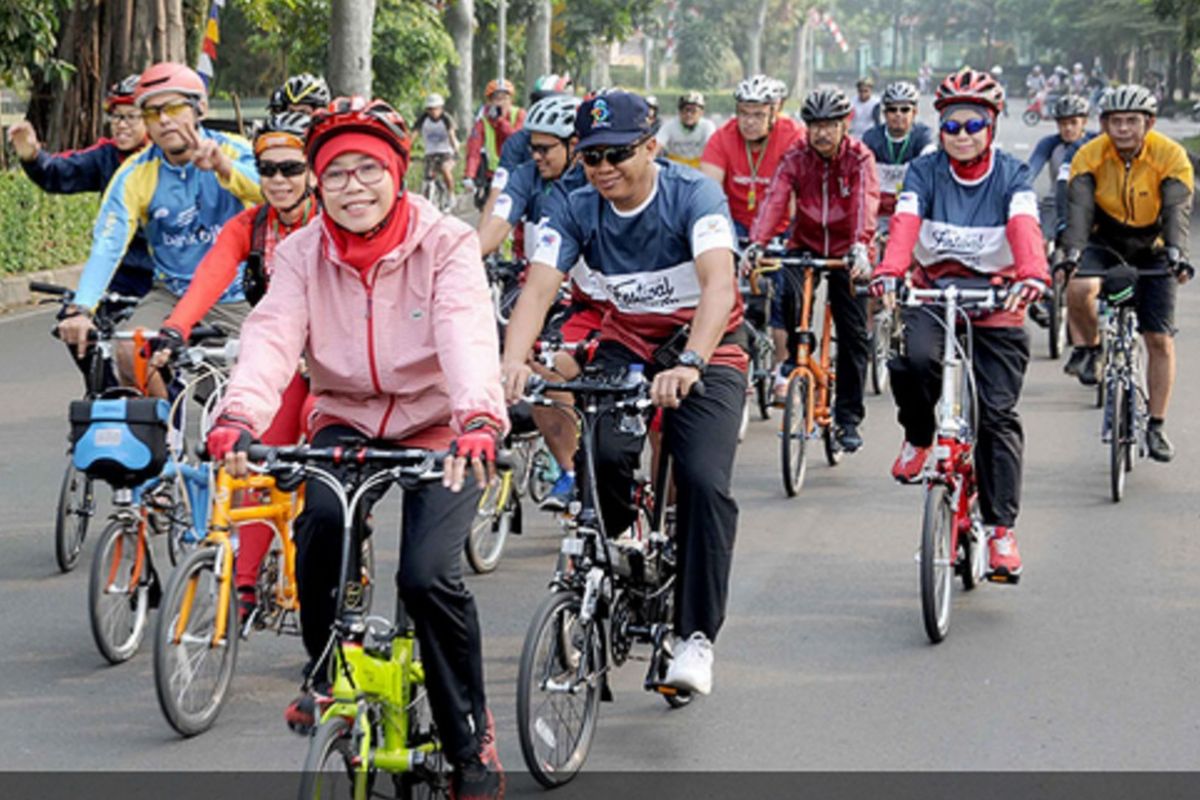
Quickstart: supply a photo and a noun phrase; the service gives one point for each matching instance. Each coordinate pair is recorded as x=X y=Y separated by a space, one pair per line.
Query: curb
x=14 y=290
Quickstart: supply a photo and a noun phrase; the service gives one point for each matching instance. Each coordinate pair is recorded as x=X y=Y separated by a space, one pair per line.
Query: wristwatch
x=690 y=358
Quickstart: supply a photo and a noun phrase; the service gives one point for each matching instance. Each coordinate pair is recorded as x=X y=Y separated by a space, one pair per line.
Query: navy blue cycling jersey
x=645 y=258
x=90 y=170
x=515 y=151
x=893 y=157
x=1054 y=151
x=965 y=222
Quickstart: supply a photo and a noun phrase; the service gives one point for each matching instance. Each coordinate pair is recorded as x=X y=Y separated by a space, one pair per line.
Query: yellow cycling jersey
x=694 y=163
x=1132 y=195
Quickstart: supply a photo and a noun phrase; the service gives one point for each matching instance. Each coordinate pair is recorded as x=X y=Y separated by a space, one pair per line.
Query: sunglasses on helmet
x=952 y=127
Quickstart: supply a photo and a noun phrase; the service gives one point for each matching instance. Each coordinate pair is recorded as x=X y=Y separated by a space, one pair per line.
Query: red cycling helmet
x=169 y=77
x=358 y=114
x=121 y=93
x=970 y=86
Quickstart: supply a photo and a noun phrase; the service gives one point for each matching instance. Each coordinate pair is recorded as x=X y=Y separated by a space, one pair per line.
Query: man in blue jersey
x=895 y=142
x=659 y=237
x=181 y=190
x=527 y=196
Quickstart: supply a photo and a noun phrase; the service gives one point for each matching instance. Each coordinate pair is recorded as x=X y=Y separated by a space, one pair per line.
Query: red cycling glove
x=229 y=434
x=478 y=441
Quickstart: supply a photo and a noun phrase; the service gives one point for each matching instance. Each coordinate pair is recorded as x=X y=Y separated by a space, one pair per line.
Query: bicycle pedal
x=997 y=577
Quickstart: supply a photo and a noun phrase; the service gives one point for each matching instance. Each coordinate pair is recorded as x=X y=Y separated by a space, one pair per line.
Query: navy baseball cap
x=612 y=118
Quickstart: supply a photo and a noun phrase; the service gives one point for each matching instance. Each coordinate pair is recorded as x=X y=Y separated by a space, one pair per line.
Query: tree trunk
x=753 y=64
x=459 y=18
x=1172 y=73
x=600 y=76
x=350 y=25
x=175 y=44
x=799 y=59
x=537 y=41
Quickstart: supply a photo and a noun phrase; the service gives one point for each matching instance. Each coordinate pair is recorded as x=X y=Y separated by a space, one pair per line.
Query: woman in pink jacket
x=382 y=293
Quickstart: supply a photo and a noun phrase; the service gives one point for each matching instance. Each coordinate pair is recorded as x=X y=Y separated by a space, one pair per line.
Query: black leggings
x=701 y=438
x=1001 y=357
x=435 y=524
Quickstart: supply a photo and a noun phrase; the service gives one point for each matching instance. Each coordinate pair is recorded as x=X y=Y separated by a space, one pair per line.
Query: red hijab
x=364 y=250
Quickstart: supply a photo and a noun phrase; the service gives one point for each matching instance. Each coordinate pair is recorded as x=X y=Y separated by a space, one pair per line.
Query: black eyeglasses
x=542 y=150
x=613 y=155
x=288 y=169
x=953 y=127
x=898 y=109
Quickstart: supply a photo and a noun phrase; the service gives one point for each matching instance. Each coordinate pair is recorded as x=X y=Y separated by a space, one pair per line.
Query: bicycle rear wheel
x=937 y=561
x=558 y=689
x=1117 y=440
x=543 y=471
x=76 y=505
x=192 y=674
x=491 y=526
x=329 y=769
x=794 y=438
x=1056 y=327
x=762 y=393
x=118 y=594
x=745 y=423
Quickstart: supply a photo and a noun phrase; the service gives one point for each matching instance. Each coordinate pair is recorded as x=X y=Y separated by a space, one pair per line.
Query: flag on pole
x=836 y=32
x=206 y=63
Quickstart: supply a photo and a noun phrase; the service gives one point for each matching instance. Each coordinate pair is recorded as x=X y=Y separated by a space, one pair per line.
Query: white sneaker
x=691 y=668
x=780 y=386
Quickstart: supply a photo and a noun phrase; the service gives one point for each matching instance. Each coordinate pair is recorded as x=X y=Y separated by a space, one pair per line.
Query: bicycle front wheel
x=490 y=529
x=193 y=668
x=937 y=561
x=76 y=504
x=558 y=689
x=794 y=438
x=1118 y=440
x=330 y=772
x=881 y=342
x=118 y=594
x=1057 y=325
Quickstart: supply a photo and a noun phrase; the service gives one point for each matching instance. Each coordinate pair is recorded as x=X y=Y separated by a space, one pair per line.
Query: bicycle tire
x=762 y=393
x=937 y=567
x=1031 y=118
x=745 y=423
x=555 y=621
x=74 y=511
x=1117 y=442
x=489 y=532
x=542 y=465
x=329 y=771
x=171 y=658
x=1056 y=327
x=881 y=344
x=973 y=566
x=117 y=611
x=794 y=438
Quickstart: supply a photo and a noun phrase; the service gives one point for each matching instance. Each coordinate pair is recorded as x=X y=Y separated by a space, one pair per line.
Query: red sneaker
x=910 y=463
x=1003 y=556
x=303 y=713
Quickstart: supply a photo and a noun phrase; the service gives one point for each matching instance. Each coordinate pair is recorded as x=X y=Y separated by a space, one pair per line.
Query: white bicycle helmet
x=435 y=100
x=1130 y=97
x=900 y=93
x=755 y=89
x=554 y=115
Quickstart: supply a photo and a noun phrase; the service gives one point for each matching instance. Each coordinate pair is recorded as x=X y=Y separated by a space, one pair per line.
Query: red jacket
x=837 y=201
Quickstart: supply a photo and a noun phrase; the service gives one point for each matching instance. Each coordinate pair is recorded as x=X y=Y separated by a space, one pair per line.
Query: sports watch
x=690 y=358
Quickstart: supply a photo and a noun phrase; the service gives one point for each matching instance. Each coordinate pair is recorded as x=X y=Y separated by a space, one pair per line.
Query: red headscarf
x=363 y=250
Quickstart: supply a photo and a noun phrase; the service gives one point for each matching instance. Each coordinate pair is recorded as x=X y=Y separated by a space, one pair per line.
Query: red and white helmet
x=972 y=87
x=358 y=114
x=170 y=77
x=121 y=93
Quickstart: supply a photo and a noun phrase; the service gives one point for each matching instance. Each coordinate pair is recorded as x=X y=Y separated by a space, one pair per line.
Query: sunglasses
x=288 y=169
x=153 y=114
x=593 y=156
x=542 y=150
x=953 y=127
x=898 y=110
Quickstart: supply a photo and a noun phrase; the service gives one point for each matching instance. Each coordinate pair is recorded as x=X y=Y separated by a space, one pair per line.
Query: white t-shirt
x=683 y=145
x=862 y=117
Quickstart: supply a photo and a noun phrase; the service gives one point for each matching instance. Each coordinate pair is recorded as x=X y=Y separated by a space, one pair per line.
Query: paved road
x=823 y=664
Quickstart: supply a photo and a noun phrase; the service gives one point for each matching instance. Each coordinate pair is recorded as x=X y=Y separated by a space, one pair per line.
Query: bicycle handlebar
x=409 y=460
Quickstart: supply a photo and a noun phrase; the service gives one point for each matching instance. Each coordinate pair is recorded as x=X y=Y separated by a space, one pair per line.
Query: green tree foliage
x=29 y=39
x=701 y=52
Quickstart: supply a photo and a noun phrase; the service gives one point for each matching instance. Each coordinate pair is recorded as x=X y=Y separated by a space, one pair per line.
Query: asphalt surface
x=1088 y=664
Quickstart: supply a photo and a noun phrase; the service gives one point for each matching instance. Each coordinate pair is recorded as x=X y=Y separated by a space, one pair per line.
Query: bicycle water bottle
x=632 y=422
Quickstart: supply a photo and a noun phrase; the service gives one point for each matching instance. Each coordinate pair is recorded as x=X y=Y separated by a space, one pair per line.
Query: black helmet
x=303 y=89
x=1071 y=105
x=825 y=104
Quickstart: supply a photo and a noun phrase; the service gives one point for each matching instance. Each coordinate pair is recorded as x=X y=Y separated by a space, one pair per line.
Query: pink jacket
x=406 y=351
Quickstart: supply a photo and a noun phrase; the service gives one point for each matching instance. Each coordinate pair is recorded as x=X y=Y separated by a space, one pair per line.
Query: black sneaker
x=1075 y=362
x=849 y=438
x=303 y=713
x=474 y=781
x=1158 y=444
x=1089 y=373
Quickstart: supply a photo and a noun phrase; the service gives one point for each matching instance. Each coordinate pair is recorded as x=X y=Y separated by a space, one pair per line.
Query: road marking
x=17 y=316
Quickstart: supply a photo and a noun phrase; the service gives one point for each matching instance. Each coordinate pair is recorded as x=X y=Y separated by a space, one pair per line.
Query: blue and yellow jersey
x=181 y=209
